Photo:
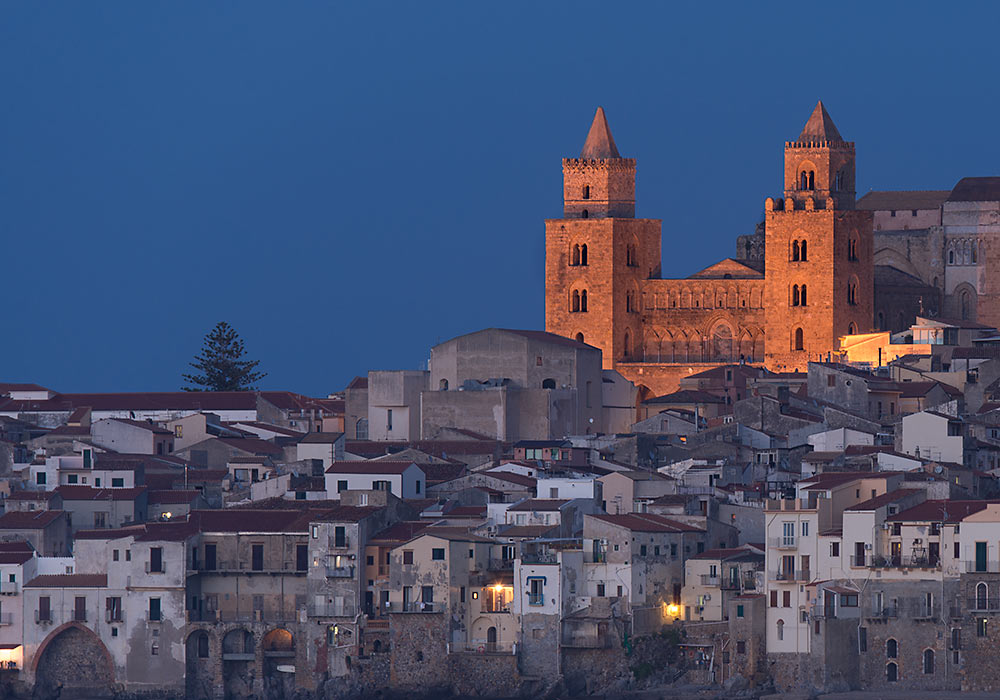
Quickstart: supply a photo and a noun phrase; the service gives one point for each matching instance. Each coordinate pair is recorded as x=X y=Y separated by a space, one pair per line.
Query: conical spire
x=599 y=143
x=820 y=126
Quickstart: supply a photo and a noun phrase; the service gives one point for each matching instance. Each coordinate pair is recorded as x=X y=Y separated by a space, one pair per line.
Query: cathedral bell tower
x=818 y=260
x=597 y=255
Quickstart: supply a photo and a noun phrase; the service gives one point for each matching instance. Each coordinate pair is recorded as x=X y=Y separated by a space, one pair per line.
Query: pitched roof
x=28 y=520
x=321 y=438
x=91 y=493
x=685 y=397
x=828 y=480
x=252 y=445
x=68 y=581
x=647 y=522
x=511 y=477
x=949 y=511
x=403 y=531
x=600 y=143
x=884 y=499
x=889 y=276
x=976 y=189
x=728 y=553
x=370 y=467
x=889 y=200
x=820 y=126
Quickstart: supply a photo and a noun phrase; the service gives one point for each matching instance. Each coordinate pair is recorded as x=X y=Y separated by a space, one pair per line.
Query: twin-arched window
x=630 y=304
x=807 y=180
x=578 y=255
x=578 y=300
x=800 y=251
x=799 y=297
x=852 y=249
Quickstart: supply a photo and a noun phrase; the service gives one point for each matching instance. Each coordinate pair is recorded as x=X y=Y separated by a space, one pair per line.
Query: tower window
x=583 y=254
x=586 y=191
x=812 y=180
x=575 y=257
x=852 y=249
x=797 y=340
x=804 y=181
x=628 y=345
x=852 y=328
x=802 y=250
x=802 y=296
x=575 y=301
x=584 y=214
x=579 y=337
x=852 y=292
x=795 y=295
x=583 y=300
x=795 y=251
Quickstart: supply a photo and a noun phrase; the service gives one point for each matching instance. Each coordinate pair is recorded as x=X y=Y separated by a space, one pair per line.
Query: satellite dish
x=938 y=469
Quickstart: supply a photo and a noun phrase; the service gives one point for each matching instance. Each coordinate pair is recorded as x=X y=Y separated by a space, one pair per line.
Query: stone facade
x=816 y=279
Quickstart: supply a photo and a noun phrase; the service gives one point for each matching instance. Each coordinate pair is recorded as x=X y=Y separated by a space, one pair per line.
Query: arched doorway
x=75 y=660
x=237 y=663
x=278 y=646
x=491 y=639
x=198 y=666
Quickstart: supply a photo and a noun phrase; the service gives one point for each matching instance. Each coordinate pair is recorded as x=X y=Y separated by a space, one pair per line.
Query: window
x=579 y=337
x=437 y=554
x=802 y=296
x=739 y=611
x=114 y=555
x=774 y=599
x=795 y=295
x=40 y=478
x=388 y=419
x=862 y=639
x=891 y=649
x=891 y=672
x=257 y=557
x=536 y=595
x=741 y=647
x=852 y=292
x=341 y=485
x=407 y=556
x=339 y=536
x=586 y=191
x=795 y=251
x=981 y=627
x=156 y=560
x=928 y=661
x=203 y=645
x=100 y=520
x=72 y=479
x=113 y=609
x=44 y=609
x=361 y=429
x=805 y=528
x=642 y=550
x=956 y=638
x=154 y=610
x=848 y=600
x=583 y=254
x=786 y=599
x=600 y=590
x=117 y=483
x=797 y=340
x=80 y=609
x=835 y=549
x=781 y=630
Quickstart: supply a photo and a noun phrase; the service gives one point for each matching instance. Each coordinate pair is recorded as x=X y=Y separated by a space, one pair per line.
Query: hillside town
x=645 y=494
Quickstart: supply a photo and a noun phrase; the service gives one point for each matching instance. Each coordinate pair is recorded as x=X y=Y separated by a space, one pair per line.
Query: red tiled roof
x=15 y=557
x=321 y=438
x=512 y=477
x=726 y=553
x=28 y=520
x=646 y=522
x=828 y=480
x=28 y=495
x=68 y=581
x=91 y=493
x=252 y=445
x=358 y=383
x=403 y=531
x=948 y=511
x=884 y=499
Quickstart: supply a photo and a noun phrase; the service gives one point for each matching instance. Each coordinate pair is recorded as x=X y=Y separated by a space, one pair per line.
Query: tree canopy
x=221 y=365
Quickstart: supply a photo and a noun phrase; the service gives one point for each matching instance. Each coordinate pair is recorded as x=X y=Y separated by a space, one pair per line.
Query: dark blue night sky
x=350 y=183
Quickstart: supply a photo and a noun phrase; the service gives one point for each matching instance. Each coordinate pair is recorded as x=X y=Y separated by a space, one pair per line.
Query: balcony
x=501 y=564
x=343 y=543
x=344 y=608
x=536 y=599
x=790 y=575
x=877 y=561
x=784 y=542
x=342 y=571
x=43 y=617
x=538 y=558
x=982 y=567
x=884 y=613
x=709 y=580
x=242 y=567
x=980 y=604
x=150 y=569
x=416 y=607
x=10 y=588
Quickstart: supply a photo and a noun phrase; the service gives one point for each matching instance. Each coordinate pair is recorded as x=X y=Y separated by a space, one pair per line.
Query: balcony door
x=980 y=556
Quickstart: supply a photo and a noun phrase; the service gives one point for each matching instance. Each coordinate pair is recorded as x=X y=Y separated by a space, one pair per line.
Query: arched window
x=781 y=630
x=804 y=181
x=852 y=328
x=839 y=181
x=852 y=249
x=802 y=249
x=748 y=250
x=575 y=301
x=797 y=341
x=361 y=429
x=586 y=191
x=549 y=383
x=812 y=180
x=951 y=257
x=795 y=295
x=795 y=251
x=802 y=295
x=928 y=661
x=964 y=304
x=891 y=672
x=203 y=645
x=973 y=252
x=584 y=214
x=576 y=255
x=443 y=385
x=579 y=337
x=628 y=344
x=583 y=254
x=891 y=649
x=982 y=596
x=852 y=292
x=583 y=300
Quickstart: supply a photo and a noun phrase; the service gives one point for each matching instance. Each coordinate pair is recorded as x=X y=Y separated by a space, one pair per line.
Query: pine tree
x=221 y=366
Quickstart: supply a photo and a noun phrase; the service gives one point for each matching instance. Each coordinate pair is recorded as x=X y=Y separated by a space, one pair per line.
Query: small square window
x=437 y=554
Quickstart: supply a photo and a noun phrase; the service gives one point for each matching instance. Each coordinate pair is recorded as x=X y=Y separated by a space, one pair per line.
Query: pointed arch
x=804 y=250
x=803 y=300
x=583 y=254
x=627 y=345
x=798 y=341
x=795 y=251
x=575 y=255
x=583 y=300
x=71 y=628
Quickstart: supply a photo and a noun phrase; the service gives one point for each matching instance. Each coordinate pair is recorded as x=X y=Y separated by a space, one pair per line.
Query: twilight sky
x=348 y=183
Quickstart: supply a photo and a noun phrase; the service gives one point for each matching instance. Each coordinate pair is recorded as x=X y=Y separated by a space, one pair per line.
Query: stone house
x=632 y=491
x=88 y=507
x=717 y=576
x=46 y=530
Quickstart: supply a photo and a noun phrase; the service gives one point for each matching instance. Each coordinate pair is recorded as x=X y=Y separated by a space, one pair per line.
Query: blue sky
x=349 y=183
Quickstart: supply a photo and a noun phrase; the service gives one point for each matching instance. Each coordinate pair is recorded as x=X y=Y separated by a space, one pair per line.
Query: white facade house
x=933 y=435
x=837 y=440
x=401 y=479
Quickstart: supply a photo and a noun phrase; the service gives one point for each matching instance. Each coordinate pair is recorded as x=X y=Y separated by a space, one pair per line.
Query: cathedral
x=822 y=265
